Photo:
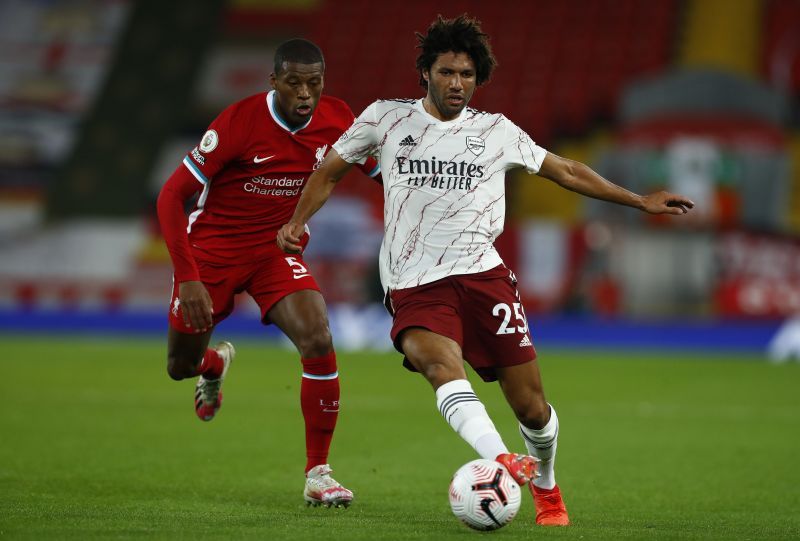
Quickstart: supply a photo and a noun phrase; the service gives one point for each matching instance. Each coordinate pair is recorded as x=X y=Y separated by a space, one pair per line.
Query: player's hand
x=667 y=203
x=196 y=305
x=289 y=238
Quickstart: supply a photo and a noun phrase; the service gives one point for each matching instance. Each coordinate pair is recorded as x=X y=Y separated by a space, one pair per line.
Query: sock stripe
x=450 y=405
x=447 y=402
x=334 y=375
x=543 y=444
x=452 y=409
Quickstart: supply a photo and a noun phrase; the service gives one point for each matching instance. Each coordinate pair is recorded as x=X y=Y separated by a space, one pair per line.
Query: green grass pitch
x=96 y=442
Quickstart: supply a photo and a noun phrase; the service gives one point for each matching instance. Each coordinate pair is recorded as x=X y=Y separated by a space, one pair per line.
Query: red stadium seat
x=571 y=57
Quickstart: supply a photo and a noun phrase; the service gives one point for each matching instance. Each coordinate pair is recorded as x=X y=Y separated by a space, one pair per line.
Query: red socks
x=211 y=366
x=319 y=399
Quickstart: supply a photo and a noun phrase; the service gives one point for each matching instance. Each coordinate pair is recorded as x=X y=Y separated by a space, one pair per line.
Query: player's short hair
x=460 y=35
x=298 y=50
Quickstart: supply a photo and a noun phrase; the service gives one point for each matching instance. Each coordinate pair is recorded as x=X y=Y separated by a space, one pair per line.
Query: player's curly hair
x=460 y=35
x=297 y=50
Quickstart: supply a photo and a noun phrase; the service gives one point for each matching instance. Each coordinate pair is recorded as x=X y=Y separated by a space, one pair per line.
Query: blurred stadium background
x=99 y=101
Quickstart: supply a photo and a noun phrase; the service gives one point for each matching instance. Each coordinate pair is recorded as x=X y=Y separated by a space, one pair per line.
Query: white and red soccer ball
x=483 y=495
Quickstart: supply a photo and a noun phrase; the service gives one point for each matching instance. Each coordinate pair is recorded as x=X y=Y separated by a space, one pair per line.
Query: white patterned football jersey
x=443 y=186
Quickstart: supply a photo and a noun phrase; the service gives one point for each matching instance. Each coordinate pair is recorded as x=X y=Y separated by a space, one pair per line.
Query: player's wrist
x=297 y=224
x=640 y=202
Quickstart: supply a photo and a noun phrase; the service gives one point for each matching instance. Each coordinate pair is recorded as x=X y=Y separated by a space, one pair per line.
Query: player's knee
x=533 y=413
x=178 y=370
x=439 y=372
x=315 y=342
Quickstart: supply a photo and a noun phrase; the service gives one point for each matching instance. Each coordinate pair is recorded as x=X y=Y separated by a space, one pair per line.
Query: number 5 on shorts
x=298 y=269
x=519 y=313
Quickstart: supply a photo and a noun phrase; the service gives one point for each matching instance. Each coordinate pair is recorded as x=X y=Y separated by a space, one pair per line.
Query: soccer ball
x=483 y=495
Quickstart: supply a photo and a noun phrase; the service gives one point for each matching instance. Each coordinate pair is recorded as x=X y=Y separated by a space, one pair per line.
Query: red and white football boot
x=208 y=392
x=521 y=467
x=322 y=489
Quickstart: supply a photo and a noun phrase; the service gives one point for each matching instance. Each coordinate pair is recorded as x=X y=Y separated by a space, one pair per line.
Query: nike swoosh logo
x=259 y=160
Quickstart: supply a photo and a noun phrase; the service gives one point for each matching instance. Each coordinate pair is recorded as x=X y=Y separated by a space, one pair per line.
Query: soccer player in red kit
x=249 y=170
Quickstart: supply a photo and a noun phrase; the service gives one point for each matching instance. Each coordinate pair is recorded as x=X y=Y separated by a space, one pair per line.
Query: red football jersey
x=252 y=168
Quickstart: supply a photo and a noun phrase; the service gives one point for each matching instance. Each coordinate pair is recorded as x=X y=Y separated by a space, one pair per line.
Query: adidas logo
x=525 y=342
x=408 y=142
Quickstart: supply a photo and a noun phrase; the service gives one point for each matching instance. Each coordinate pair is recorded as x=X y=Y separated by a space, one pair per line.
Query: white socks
x=466 y=414
x=462 y=409
x=542 y=444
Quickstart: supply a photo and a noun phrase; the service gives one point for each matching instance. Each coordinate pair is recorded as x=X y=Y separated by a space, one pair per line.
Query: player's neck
x=283 y=117
x=431 y=109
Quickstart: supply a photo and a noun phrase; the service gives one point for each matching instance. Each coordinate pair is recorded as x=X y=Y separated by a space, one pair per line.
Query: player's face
x=297 y=90
x=451 y=83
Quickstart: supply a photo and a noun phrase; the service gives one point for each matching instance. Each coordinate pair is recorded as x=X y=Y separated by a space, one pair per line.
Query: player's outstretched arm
x=318 y=188
x=580 y=178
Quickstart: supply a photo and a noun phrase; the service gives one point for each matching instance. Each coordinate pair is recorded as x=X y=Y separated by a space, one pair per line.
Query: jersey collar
x=461 y=116
x=273 y=111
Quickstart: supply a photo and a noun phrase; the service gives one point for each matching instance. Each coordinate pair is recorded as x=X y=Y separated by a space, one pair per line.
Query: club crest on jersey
x=209 y=141
x=475 y=144
x=320 y=155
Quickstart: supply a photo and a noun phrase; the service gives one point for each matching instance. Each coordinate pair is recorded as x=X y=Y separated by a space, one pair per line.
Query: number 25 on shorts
x=505 y=310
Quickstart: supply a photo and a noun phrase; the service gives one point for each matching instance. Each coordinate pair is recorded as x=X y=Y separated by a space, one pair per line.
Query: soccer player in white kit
x=451 y=296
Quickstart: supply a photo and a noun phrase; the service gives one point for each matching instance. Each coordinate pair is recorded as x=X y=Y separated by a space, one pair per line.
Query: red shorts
x=267 y=281
x=481 y=312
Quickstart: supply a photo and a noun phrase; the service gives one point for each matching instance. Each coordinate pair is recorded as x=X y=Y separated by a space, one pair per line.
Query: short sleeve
x=361 y=139
x=520 y=150
x=220 y=144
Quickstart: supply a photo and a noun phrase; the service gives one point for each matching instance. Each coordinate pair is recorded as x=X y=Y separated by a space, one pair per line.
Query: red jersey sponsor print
x=252 y=167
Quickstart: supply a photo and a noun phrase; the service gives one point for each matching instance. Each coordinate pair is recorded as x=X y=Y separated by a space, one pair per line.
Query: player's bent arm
x=318 y=188
x=580 y=178
x=180 y=186
x=195 y=302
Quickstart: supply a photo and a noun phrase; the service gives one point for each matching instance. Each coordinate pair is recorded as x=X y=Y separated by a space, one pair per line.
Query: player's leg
x=498 y=345
x=427 y=328
x=188 y=354
x=302 y=316
x=439 y=360
x=538 y=425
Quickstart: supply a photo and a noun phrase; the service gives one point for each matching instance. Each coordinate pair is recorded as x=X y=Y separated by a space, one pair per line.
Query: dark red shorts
x=267 y=281
x=481 y=312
